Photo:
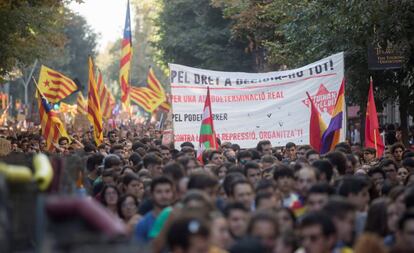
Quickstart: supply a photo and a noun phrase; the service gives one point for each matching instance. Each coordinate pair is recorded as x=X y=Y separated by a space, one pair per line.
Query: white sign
x=249 y=107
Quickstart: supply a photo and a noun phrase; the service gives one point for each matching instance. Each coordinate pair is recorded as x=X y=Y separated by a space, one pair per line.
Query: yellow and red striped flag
x=54 y=85
x=126 y=54
x=148 y=99
x=107 y=101
x=94 y=108
x=154 y=84
x=52 y=126
x=82 y=104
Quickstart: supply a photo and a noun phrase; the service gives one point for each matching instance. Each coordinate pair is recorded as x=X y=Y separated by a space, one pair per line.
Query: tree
x=194 y=33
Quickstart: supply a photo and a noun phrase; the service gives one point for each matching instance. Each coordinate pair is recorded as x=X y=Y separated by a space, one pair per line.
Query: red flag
x=207 y=134
x=372 y=135
x=316 y=127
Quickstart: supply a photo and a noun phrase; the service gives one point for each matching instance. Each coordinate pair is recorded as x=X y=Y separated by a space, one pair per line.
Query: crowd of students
x=264 y=199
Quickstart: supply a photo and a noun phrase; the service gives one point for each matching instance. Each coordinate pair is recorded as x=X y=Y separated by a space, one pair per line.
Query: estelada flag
x=372 y=135
x=317 y=127
x=54 y=85
x=207 y=137
x=94 y=108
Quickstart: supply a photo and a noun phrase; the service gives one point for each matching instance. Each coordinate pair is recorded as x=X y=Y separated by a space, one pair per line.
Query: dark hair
x=174 y=170
x=310 y=152
x=408 y=154
x=63 y=138
x=186 y=144
x=122 y=200
x=318 y=218
x=409 y=197
x=338 y=160
x=377 y=218
x=115 y=147
x=151 y=159
x=262 y=143
x=93 y=161
x=160 y=180
x=408 y=215
x=263 y=184
x=397 y=145
x=345 y=146
x=289 y=212
x=324 y=167
x=128 y=178
x=111 y=160
x=135 y=158
x=375 y=170
x=243 y=154
x=234 y=206
x=266 y=216
x=251 y=165
x=106 y=187
x=235 y=147
x=322 y=188
x=352 y=184
x=201 y=181
x=262 y=196
x=255 y=154
x=281 y=170
x=137 y=145
x=89 y=147
x=338 y=207
x=290 y=145
x=237 y=182
x=408 y=162
x=247 y=245
x=229 y=179
x=181 y=230
x=163 y=147
x=388 y=162
x=212 y=153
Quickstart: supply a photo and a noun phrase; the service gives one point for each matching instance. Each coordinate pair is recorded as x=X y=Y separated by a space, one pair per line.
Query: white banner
x=249 y=107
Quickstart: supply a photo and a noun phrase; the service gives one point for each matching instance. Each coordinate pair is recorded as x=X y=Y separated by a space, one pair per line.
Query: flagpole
x=375 y=142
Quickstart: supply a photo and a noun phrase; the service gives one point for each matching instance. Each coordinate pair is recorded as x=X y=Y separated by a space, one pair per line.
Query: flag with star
x=54 y=85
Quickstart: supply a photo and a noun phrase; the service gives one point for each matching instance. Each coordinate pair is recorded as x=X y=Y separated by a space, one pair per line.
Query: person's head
x=342 y=214
x=390 y=169
x=118 y=149
x=221 y=170
x=237 y=216
x=318 y=196
x=112 y=136
x=325 y=170
x=286 y=219
x=188 y=234
x=153 y=163
x=397 y=151
x=266 y=201
x=263 y=225
x=377 y=176
x=108 y=177
x=162 y=192
x=265 y=186
x=63 y=142
x=110 y=195
x=284 y=178
x=93 y=162
x=338 y=161
x=165 y=153
x=244 y=156
x=174 y=170
x=112 y=162
x=220 y=235
x=301 y=153
x=402 y=174
x=356 y=190
x=306 y=177
x=133 y=185
x=229 y=179
x=408 y=163
x=377 y=217
x=215 y=157
x=197 y=200
x=230 y=155
x=264 y=147
x=318 y=233
x=127 y=207
x=242 y=191
x=267 y=161
x=252 y=172
x=312 y=155
x=188 y=151
x=405 y=233
x=204 y=182
x=290 y=151
x=369 y=154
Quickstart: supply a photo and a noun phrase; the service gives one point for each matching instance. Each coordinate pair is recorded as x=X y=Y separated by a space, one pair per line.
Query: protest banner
x=249 y=107
x=5 y=147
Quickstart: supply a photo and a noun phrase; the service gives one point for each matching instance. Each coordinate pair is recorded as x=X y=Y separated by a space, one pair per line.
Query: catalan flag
x=94 y=109
x=126 y=55
x=82 y=104
x=317 y=126
x=372 y=135
x=54 y=85
x=154 y=84
x=332 y=134
x=68 y=108
x=207 y=137
x=52 y=126
x=107 y=101
x=148 y=99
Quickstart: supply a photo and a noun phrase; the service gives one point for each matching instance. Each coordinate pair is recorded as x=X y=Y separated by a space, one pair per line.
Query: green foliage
x=194 y=33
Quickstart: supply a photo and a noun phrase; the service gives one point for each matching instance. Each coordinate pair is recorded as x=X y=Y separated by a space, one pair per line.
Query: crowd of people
x=264 y=199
